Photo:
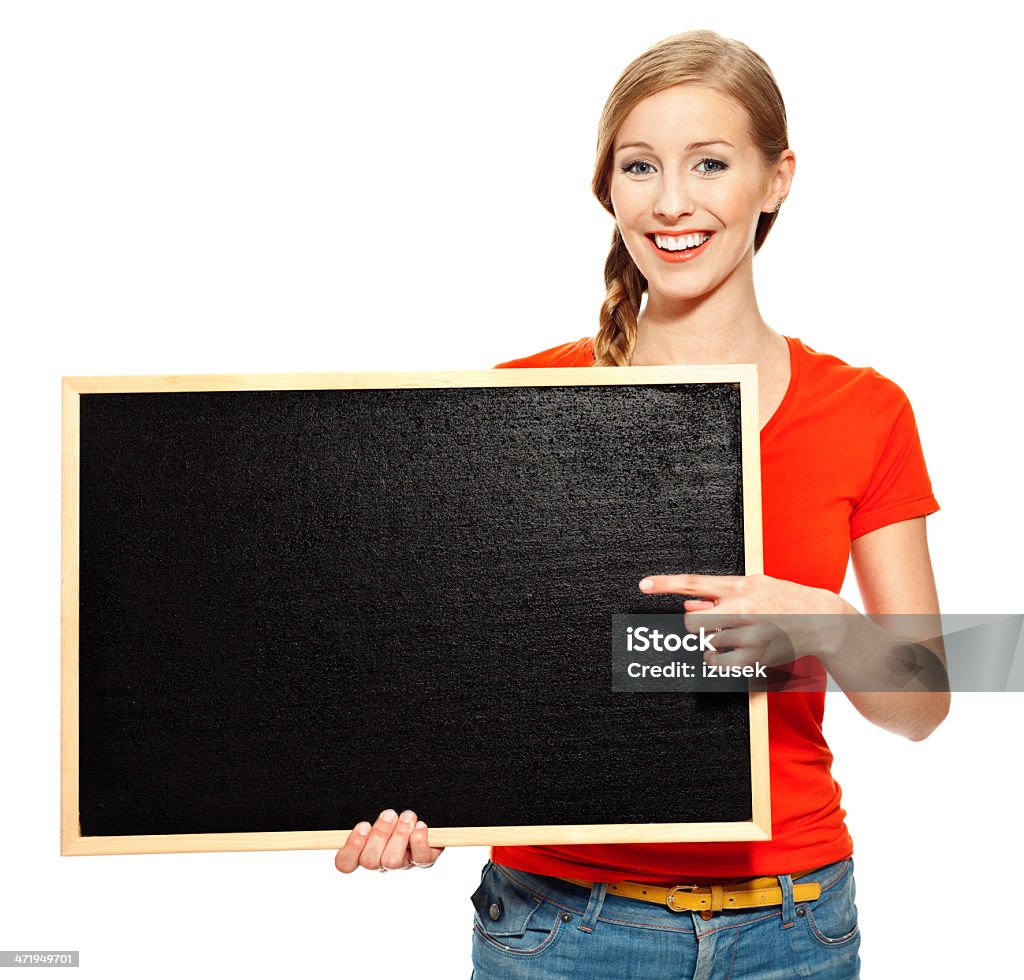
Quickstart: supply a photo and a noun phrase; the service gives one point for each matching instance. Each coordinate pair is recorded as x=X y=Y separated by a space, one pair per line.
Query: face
x=687 y=188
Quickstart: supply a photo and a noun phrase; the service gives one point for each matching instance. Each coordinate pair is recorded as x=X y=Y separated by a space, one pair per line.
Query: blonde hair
x=706 y=58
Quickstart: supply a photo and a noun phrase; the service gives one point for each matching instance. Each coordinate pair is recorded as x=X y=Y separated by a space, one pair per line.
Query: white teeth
x=677 y=243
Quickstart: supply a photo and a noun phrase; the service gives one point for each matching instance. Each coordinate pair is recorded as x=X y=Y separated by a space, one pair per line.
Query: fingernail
x=363 y=829
x=646 y=584
x=420 y=825
x=389 y=816
x=407 y=816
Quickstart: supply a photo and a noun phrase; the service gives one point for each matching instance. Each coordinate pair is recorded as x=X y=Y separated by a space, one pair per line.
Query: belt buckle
x=672 y=894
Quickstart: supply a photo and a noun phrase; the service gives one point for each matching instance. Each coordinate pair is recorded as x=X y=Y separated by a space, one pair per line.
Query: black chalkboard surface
x=298 y=599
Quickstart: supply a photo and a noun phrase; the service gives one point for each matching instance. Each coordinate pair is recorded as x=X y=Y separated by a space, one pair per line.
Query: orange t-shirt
x=840 y=457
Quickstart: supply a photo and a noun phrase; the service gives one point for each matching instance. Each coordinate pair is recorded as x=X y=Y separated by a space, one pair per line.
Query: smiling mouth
x=679 y=243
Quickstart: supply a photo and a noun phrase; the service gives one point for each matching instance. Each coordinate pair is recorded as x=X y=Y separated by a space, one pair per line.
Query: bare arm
x=894 y=575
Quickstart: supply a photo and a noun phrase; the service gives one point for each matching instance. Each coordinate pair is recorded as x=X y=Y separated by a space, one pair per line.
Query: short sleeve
x=576 y=353
x=899 y=487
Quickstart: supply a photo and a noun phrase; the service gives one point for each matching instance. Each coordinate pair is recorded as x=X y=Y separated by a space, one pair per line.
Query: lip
x=678 y=234
x=690 y=254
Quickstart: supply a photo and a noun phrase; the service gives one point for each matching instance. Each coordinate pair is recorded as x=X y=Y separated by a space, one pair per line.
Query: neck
x=721 y=327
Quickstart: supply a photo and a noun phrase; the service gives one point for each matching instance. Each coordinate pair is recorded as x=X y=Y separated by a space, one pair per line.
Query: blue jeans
x=540 y=928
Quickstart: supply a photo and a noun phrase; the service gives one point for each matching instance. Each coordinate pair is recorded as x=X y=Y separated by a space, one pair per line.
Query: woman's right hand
x=393 y=843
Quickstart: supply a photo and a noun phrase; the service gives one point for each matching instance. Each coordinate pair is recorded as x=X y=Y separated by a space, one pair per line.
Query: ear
x=780 y=180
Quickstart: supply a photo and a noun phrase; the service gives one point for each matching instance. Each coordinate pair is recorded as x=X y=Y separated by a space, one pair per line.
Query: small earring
x=778 y=204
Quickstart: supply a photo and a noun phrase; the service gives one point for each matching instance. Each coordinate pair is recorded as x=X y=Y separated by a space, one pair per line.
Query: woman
x=693 y=163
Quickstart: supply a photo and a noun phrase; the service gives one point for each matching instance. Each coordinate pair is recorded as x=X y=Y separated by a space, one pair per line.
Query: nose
x=674 y=200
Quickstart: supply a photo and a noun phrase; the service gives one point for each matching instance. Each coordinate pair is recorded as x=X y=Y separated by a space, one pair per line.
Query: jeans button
x=495 y=911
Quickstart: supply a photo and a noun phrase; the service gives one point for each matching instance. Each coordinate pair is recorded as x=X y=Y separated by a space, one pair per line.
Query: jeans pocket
x=511 y=920
x=832 y=918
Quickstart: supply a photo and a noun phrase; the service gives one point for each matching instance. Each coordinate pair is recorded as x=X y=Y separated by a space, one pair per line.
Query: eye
x=716 y=166
x=633 y=168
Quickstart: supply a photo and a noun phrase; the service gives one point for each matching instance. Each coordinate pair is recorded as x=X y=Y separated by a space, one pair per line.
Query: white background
x=203 y=187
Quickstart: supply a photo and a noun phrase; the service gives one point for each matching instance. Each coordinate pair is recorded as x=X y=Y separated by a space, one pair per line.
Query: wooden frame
x=72 y=841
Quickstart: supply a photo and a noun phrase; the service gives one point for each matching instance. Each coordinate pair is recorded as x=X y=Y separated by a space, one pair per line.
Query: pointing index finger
x=714 y=586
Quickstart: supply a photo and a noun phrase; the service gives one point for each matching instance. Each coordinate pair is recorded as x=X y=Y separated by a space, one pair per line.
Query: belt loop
x=598 y=891
x=788 y=908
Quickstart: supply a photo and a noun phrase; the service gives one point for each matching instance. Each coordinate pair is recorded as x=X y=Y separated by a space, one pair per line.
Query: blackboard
x=292 y=600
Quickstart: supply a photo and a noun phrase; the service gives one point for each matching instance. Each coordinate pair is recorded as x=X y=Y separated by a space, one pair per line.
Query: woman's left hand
x=759 y=619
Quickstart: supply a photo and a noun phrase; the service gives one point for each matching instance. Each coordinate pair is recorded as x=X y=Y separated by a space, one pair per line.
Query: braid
x=616 y=337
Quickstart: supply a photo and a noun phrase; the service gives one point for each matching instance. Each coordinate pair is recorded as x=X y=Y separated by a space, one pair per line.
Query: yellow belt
x=752 y=893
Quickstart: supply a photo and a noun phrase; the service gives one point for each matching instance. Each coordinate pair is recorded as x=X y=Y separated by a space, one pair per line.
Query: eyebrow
x=692 y=146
